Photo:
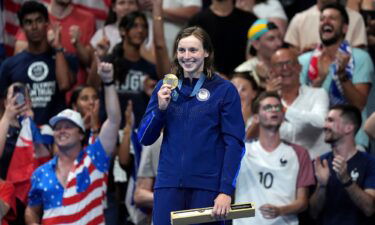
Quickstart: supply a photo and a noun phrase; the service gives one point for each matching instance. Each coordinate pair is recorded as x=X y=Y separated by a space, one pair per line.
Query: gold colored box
x=203 y=215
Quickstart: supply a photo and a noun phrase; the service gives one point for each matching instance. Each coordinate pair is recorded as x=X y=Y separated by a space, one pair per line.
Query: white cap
x=70 y=115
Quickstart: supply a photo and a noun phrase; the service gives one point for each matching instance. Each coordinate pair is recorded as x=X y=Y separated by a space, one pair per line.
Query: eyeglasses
x=274 y=108
x=288 y=63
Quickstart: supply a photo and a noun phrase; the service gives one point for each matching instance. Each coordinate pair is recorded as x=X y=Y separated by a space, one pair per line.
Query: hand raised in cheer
x=75 y=34
x=324 y=62
x=342 y=61
x=105 y=71
x=54 y=35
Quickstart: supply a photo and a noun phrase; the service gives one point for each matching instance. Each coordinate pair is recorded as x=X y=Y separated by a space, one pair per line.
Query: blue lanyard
x=196 y=88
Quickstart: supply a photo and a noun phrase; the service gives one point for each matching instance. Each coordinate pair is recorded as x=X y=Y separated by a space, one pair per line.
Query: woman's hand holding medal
x=170 y=82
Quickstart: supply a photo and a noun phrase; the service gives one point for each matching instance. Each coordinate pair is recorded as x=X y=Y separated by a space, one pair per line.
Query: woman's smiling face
x=191 y=55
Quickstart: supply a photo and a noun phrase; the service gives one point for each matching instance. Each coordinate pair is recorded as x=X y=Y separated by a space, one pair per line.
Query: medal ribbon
x=196 y=88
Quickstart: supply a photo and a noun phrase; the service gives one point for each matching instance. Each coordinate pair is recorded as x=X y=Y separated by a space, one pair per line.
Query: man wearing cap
x=264 y=38
x=70 y=188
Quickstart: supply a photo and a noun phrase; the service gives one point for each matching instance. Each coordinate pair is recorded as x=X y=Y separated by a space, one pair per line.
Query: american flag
x=97 y=7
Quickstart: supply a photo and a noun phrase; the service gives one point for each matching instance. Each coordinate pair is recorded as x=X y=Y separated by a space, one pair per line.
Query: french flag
x=30 y=152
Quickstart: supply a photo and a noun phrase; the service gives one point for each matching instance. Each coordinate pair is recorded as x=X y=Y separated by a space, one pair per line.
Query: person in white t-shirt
x=274 y=175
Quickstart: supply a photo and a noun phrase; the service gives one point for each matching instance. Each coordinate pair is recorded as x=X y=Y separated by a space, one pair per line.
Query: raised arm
x=161 y=51
x=93 y=77
x=84 y=52
x=355 y=93
x=124 y=147
x=181 y=14
x=12 y=110
x=109 y=131
x=64 y=76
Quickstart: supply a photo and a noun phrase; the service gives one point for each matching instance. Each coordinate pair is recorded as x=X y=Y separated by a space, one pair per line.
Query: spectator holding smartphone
x=9 y=124
x=16 y=104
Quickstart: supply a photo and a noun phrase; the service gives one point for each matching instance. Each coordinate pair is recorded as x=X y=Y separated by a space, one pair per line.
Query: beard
x=330 y=137
x=337 y=37
x=331 y=41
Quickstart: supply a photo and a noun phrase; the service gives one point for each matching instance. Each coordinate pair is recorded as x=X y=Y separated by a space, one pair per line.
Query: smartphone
x=20 y=93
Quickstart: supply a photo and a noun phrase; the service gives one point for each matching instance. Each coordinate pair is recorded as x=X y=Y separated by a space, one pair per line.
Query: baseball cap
x=70 y=115
x=260 y=27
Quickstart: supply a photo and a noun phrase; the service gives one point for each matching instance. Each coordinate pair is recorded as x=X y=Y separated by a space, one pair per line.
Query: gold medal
x=171 y=79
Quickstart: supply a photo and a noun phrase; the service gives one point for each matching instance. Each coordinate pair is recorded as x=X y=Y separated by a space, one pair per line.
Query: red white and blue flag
x=29 y=153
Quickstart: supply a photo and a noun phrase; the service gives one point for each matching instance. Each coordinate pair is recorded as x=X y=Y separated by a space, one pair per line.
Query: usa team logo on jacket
x=203 y=95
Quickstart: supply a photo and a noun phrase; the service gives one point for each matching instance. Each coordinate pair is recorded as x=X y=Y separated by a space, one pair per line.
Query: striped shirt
x=82 y=200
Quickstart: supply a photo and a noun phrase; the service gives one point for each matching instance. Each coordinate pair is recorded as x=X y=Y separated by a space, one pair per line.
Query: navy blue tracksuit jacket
x=203 y=136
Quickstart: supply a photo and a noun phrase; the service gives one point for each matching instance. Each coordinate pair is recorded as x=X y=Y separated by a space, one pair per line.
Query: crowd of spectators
x=304 y=71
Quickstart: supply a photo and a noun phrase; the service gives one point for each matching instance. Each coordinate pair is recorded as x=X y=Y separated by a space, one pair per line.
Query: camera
x=19 y=92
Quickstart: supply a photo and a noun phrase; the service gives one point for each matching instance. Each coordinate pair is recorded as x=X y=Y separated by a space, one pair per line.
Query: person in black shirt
x=227 y=27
